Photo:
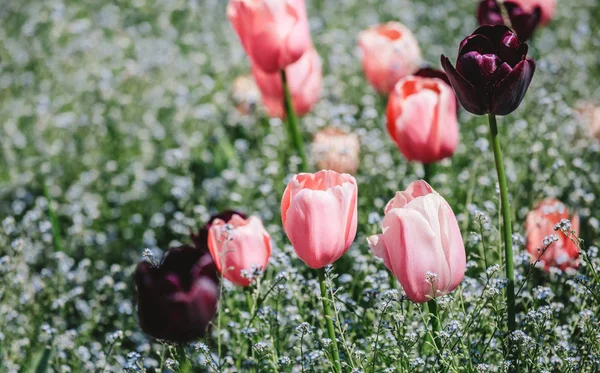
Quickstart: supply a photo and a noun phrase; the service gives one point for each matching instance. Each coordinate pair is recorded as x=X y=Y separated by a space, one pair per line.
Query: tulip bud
x=389 y=53
x=177 y=299
x=319 y=215
x=245 y=94
x=549 y=237
x=421 y=243
x=492 y=72
x=274 y=34
x=304 y=82
x=238 y=247
x=334 y=149
x=421 y=119
x=589 y=114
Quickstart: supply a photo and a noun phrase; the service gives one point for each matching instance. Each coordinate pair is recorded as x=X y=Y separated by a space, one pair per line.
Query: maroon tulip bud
x=430 y=72
x=492 y=72
x=523 y=21
x=177 y=299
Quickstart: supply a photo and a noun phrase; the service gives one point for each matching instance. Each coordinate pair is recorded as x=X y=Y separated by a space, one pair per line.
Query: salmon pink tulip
x=319 y=215
x=421 y=243
x=274 y=33
x=389 y=52
x=540 y=224
x=304 y=82
x=239 y=245
x=421 y=119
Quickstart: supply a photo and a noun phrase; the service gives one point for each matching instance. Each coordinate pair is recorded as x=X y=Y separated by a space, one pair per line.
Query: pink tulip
x=239 y=245
x=274 y=33
x=421 y=119
x=304 y=81
x=389 y=53
x=319 y=215
x=421 y=243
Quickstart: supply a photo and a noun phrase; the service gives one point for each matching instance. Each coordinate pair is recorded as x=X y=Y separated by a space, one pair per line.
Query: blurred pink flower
x=389 y=53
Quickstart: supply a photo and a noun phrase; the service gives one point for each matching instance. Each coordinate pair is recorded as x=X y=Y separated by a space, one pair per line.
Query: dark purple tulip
x=177 y=299
x=492 y=72
x=430 y=72
x=523 y=22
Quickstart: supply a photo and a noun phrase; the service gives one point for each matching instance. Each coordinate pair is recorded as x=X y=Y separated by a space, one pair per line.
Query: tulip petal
x=315 y=227
x=416 y=189
x=509 y=92
x=465 y=91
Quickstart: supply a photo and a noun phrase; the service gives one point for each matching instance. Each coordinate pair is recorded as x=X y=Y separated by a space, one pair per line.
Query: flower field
x=163 y=208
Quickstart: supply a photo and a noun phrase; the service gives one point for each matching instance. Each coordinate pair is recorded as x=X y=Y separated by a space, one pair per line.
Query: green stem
x=292 y=122
x=429 y=169
x=336 y=354
x=504 y=13
x=436 y=325
x=185 y=365
x=507 y=226
x=250 y=310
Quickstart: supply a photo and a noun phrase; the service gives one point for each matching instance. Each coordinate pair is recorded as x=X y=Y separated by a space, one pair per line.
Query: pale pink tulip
x=245 y=94
x=421 y=119
x=421 y=243
x=304 y=82
x=389 y=53
x=334 y=149
x=319 y=215
x=239 y=245
x=274 y=33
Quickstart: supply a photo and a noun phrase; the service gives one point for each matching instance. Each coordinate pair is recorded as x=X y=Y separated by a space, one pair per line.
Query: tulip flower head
x=421 y=119
x=334 y=149
x=239 y=246
x=177 y=299
x=274 y=33
x=421 y=243
x=492 y=72
x=319 y=215
x=304 y=81
x=389 y=53
x=524 y=15
x=245 y=94
x=550 y=240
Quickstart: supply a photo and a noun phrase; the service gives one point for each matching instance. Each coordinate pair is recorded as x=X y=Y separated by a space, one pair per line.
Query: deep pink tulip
x=274 y=33
x=237 y=245
x=421 y=237
x=421 y=119
x=319 y=215
x=304 y=82
x=389 y=53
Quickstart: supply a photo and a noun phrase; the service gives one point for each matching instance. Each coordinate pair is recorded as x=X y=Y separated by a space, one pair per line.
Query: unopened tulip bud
x=337 y=150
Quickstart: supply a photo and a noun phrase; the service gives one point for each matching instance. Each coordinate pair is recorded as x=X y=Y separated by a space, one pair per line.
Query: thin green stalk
x=336 y=354
x=247 y=292
x=429 y=169
x=185 y=365
x=507 y=226
x=436 y=325
x=504 y=13
x=292 y=122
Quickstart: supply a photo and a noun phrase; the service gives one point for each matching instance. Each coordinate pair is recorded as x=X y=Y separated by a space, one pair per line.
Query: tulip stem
x=436 y=325
x=429 y=169
x=507 y=227
x=504 y=13
x=185 y=365
x=292 y=122
x=328 y=318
